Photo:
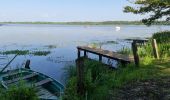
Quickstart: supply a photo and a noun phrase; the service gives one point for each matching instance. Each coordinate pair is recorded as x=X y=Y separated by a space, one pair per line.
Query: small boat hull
x=47 y=88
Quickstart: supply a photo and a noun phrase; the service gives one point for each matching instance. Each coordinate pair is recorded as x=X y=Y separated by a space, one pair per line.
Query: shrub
x=163 y=40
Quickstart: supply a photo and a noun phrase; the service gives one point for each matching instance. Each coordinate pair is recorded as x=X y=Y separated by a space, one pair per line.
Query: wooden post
x=100 y=58
x=80 y=76
x=85 y=53
x=135 y=53
x=155 y=48
x=123 y=63
x=78 y=54
x=27 y=64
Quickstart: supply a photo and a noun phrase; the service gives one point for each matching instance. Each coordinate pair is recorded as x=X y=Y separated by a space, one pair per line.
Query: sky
x=65 y=10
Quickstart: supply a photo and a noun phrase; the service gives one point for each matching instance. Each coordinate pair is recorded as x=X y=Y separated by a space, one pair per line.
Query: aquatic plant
x=100 y=44
x=125 y=50
x=26 y=52
x=19 y=52
x=41 y=53
x=51 y=46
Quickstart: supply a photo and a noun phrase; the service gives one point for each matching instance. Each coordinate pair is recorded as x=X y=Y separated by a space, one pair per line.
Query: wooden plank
x=85 y=54
x=45 y=94
x=45 y=81
x=79 y=53
x=12 y=73
x=21 y=78
x=106 y=53
x=100 y=58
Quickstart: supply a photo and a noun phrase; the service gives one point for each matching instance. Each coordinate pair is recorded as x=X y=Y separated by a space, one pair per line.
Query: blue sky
x=64 y=10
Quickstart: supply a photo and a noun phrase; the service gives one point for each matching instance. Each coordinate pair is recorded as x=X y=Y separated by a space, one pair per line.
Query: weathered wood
x=21 y=78
x=10 y=74
x=78 y=53
x=27 y=64
x=100 y=58
x=107 y=53
x=85 y=54
x=155 y=48
x=135 y=53
x=42 y=82
x=80 y=76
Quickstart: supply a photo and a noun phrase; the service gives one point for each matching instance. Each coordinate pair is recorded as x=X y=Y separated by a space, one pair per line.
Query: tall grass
x=101 y=82
x=19 y=92
x=163 y=40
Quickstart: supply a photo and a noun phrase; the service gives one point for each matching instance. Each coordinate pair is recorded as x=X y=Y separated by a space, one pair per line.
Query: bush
x=163 y=40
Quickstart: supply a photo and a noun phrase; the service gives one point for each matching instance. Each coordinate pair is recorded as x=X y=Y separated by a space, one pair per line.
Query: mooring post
x=80 y=76
x=135 y=53
x=155 y=48
x=27 y=64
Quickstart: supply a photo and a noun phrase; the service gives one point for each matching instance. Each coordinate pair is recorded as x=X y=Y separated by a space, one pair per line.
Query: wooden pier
x=105 y=53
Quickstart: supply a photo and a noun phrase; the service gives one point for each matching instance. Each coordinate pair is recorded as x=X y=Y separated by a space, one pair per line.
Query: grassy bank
x=102 y=83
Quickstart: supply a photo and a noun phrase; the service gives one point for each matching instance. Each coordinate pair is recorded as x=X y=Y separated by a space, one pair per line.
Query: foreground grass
x=102 y=83
x=19 y=92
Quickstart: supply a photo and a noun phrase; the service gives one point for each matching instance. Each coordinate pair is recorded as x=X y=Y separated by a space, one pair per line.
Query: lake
x=62 y=40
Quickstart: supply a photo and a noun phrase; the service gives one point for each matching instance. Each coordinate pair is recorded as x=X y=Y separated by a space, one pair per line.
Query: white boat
x=117 y=28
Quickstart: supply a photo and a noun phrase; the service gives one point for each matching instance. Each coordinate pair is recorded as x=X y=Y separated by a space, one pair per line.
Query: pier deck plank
x=107 y=53
x=43 y=82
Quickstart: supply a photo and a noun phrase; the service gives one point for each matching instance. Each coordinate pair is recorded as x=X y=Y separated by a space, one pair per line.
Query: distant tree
x=157 y=9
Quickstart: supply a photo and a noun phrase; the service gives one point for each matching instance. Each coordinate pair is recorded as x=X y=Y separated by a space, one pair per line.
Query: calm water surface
x=65 y=38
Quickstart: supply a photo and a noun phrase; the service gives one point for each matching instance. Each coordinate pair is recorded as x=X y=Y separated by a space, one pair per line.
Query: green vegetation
x=19 y=52
x=51 y=46
x=162 y=37
x=100 y=44
x=41 y=53
x=163 y=40
x=125 y=50
x=91 y=23
x=19 y=92
x=103 y=83
x=26 y=52
x=157 y=9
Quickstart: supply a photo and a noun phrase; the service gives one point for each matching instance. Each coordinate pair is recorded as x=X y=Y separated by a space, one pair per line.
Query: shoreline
x=90 y=23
